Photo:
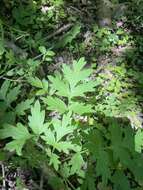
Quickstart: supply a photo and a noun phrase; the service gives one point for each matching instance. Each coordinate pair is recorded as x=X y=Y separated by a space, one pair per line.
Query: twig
x=13 y=80
x=38 y=56
x=21 y=36
x=76 y=9
x=71 y=185
x=60 y=30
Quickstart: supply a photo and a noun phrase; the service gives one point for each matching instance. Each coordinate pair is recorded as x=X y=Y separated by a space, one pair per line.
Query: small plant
x=56 y=136
x=83 y=149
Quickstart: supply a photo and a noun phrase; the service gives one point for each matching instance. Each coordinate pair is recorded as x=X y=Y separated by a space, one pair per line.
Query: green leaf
x=45 y=84
x=20 y=135
x=12 y=95
x=42 y=49
x=81 y=89
x=95 y=141
x=116 y=139
x=139 y=140
x=60 y=86
x=60 y=130
x=40 y=92
x=7 y=117
x=15 y=145
x=23 y=106
x=64 y=146
x=36 y=82
x=49 y=137
x=4 y=89
x=18 y=132
x=2 y=156
x=120 y=181
x=103 y=166
x=69 y=36
x=36 y=120
x=75 y=76
x=66 y=119
x=2 y=49
x=128 y=141
x=79 y=65
x=50 y=53
x=65 y=170
x=54 y=160
x=89 y=182
x=76 y=163
x=80 y=108
x=55 y=104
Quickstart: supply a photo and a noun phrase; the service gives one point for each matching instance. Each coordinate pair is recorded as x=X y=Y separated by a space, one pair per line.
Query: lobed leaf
x=23 y=106
x=36 y=119
x=55 y=104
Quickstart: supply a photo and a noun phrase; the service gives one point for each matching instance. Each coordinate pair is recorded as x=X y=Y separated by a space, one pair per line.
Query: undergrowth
x=70 y=96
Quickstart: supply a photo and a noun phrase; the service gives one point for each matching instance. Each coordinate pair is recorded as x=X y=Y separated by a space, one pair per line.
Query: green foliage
x=80 y=127
x=69 y=36
x=112 y=151
x=116 y=154
x=53 y=135
x=106 y=38
x=19 y=135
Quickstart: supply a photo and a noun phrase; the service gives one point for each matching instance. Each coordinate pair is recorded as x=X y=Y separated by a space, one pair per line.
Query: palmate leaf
x=63 y=146
x=66 y=119
x=36 y=119
x=15 y=145
x=65 y=170
x=95 y=142
x=96 y=147
x=17 y=132
x=61 y=87
x=136 y=166
x=75 y=76
x=53 y=137
x=76 y=163
x=79 y=65
x=80 y=108
x=55 y=104
x=49 y=137
x=116 y=139
x=54 y=160
x=81 y=89
x=121 y=151
x=129 y=139
x=23 y=106
x=61 y=130
x=120 y=181
x=89 y=182
x=103 y=166
x=19 y=135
